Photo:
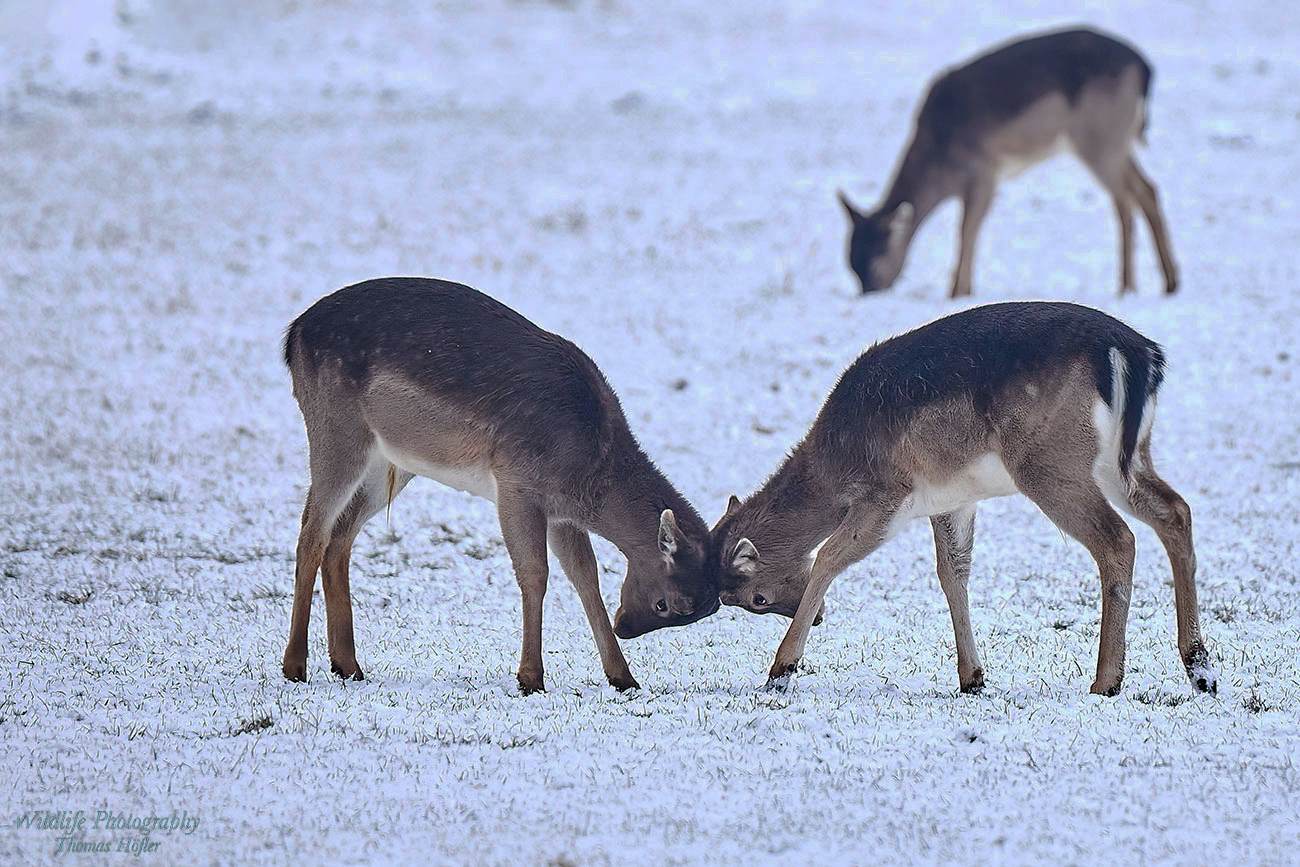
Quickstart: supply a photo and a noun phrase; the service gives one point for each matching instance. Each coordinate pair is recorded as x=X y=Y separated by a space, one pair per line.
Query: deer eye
x=760 y=600
x=661 y=606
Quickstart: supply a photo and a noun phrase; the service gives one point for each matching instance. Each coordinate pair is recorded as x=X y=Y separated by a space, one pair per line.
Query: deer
x=996 y=116
x=404 y=376
x=1051 y=400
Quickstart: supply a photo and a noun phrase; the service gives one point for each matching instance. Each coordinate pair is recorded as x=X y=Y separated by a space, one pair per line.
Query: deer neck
x=797 y=509
x=924 y=181
x=634 y=497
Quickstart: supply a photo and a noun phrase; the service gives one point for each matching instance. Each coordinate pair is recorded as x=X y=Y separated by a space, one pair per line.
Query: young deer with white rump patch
x=405 y=376
x=999 y=114
x=1051 y=400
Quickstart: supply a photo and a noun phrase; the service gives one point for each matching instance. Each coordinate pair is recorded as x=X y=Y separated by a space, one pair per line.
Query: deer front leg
x=861 y=532
x=572 y=547
x=954 y=536
x=976 y=200
x=523 y=529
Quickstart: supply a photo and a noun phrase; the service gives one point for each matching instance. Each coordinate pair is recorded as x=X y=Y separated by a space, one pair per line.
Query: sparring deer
x=1051 y=400
x=996 y=116
x=402 y=376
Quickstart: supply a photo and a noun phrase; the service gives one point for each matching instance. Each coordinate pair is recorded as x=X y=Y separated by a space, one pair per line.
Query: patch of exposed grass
x=1254 y=704
x=253 y=725
x=1158 y=699
x=1224 y=612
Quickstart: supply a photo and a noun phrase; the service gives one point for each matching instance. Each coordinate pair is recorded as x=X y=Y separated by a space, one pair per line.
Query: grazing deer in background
x=996 y=116
x=1051 y=400
x=403 y=376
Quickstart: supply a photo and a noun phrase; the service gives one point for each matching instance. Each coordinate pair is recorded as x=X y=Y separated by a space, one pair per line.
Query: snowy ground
x=656 y=181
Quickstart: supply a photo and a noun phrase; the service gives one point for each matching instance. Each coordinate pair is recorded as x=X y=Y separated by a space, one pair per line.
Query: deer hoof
x=1108 y=690
x=623 y=682
x=530 y=684
x=1200 y=672
x=778 y=679
x=295 y=670
x=777 y=684
x=346 y=672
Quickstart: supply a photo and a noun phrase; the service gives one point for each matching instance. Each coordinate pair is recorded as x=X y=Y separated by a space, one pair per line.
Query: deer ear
x=733 y=506
x=668 y=533
x=900 y=222
x=745 y=559
x=855 y=216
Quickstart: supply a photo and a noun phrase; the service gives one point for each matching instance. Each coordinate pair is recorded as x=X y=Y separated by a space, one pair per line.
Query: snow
x=657 y=182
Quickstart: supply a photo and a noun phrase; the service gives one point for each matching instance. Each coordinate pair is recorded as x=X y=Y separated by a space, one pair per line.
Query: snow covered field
x=655 y=181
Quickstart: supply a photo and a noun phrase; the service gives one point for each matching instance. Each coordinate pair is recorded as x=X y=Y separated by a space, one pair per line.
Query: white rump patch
x=1105 y=467
x=1110 y=435
x=981 y=479
x=1109 y=423
x=475 y=479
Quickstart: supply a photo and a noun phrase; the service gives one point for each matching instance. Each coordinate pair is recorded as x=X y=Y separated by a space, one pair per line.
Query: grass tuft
x=1254 y=704
x=251 y=726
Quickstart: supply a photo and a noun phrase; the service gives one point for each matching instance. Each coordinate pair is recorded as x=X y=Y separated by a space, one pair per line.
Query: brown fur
x=1004 y=111
x=405 y=376
x=884 y=450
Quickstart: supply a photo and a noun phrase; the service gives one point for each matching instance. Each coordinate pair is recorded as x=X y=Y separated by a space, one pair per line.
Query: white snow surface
x=656 y=181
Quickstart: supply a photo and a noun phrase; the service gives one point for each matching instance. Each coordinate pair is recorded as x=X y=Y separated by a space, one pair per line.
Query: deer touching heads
x=667 y=585
x=770 y=581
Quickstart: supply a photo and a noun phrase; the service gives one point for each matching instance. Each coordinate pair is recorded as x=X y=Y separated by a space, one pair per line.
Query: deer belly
x=1017 y=162
x=476 y=479
x=981 y=479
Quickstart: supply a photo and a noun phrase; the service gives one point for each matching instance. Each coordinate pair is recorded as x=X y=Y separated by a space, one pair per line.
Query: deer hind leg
x=1156 y=504
x=338 y=468
x=954 y=536
x=1144 y=192
x=523 y=529
x=381 y=485
x=976 y=200
x=1075 y=503
x=1124 y=212
x=1108 y=166
x=572 y=547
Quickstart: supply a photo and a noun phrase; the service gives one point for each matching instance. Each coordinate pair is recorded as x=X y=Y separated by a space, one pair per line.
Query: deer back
x=420 y=351
x=964 y=104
